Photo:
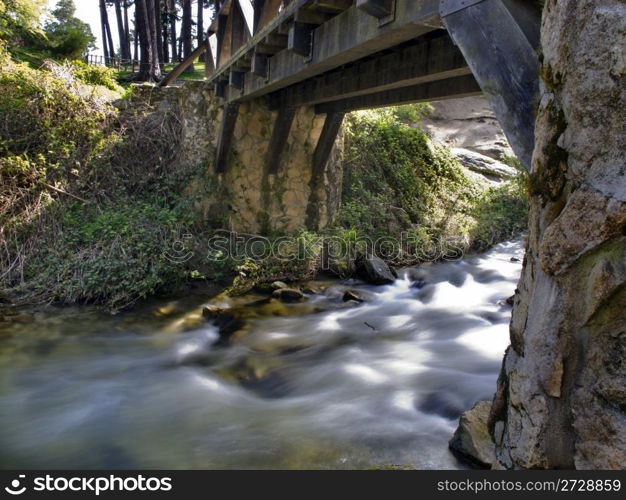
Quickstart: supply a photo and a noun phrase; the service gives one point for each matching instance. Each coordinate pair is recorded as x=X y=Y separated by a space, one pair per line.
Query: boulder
x=481 y=164
x=288 y=295
x=353 y=295
x=471 y=441
x=278 y=285
x=374 y=270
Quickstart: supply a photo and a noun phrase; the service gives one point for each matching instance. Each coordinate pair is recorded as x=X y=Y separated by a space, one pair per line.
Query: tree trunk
x=103 y=25
x=186 y=32
x=560 y=399
x=120 y=29
x=149 y=68
x=136 y=34
x=126 y=29
x=157 y=34
x=200 y=22
x=165 y=36
x=171 y=12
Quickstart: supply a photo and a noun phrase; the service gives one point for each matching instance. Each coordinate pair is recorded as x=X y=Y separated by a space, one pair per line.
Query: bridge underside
x=336 y=56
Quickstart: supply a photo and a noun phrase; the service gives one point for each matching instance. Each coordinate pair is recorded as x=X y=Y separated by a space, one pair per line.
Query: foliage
x=96 y=75
x=399 y=185
x=20 y=18
x=67 y=35
x=82 y=218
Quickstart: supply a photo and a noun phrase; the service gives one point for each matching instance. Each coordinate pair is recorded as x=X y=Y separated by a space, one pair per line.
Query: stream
x=320 y=384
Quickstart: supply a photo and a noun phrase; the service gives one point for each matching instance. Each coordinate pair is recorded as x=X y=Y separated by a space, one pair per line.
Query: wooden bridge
x=343 y=55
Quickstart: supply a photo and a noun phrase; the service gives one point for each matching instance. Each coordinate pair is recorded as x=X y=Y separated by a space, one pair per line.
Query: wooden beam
x=377 y=8
x=300 y=38
x=425 y=60
x=227 y=129
x=278 y=141
x=505 y=63
x=461 y=86
x=325 y=144
x=331 y=128
x=185 y=63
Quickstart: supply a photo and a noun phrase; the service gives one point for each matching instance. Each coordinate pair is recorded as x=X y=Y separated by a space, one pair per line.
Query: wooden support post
x=376 y=8
x=178 y=70
x=501 y=55
x=227 y=129
x=331 y=128
x=300 y=38
x=278 y=141
x=324 y=148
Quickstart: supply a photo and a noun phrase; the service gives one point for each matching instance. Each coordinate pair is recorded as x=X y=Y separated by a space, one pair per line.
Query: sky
x=89 y=12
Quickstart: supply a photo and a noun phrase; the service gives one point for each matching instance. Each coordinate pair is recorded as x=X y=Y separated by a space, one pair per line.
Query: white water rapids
x=336 y=386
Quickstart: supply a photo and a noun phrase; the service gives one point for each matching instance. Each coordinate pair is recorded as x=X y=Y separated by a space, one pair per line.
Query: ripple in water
x=383 y=382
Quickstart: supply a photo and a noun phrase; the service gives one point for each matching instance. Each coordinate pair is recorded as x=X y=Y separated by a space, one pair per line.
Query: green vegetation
x=82 y=217
x=397 y=181
x=63 y=36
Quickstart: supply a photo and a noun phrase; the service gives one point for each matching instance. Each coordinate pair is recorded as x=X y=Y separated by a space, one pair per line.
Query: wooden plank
x=227 y=129
x=424 y=60
x=505 y=64
x=461 y=86
x=278 y=141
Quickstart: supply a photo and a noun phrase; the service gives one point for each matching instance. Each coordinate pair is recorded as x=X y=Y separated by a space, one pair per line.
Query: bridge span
x=337 y=56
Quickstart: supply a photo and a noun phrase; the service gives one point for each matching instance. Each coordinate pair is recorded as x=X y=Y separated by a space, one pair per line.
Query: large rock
x=471 y=441
x=374 y=270
x=562 y=392
x=483 y=165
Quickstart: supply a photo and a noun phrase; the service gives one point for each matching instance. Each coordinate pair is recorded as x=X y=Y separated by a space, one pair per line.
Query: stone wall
x=247 y=197
x=561 y=399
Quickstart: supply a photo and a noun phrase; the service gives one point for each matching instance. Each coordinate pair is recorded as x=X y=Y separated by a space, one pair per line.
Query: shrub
x=96 y=75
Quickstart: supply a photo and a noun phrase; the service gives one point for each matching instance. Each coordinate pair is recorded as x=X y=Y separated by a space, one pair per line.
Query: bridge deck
x=336 y=54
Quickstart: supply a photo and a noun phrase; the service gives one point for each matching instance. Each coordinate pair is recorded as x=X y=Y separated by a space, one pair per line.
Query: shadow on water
x=324 y=384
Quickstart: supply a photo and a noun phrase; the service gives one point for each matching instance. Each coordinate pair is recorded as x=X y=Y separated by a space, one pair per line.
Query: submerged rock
x=471 y=441
x=226 y=322
x=288 y=295
x=353 y=295
x=374 y=270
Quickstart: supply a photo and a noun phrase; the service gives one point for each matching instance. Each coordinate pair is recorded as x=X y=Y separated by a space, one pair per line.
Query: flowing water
x=322 y=384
